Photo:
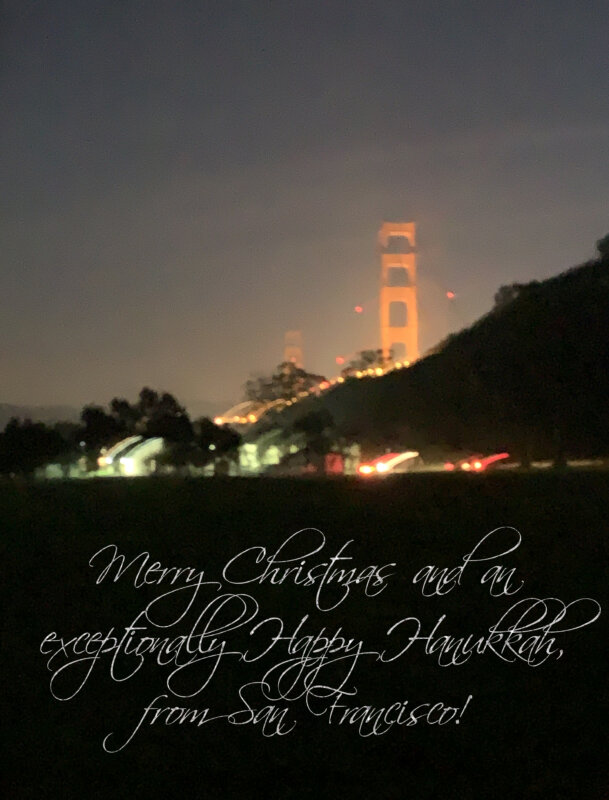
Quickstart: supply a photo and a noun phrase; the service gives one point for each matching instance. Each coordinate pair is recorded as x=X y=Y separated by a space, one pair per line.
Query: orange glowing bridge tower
x=398 y=295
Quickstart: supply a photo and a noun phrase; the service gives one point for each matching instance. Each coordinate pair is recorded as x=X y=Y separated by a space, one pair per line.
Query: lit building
x=140 y=459
x=111 y=457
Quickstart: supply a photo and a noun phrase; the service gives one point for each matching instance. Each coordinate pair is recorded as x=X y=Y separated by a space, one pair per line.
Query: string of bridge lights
x=251 y=418
x=370 y=372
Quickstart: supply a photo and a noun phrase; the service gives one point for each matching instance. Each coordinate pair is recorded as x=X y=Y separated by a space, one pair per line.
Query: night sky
x=182 y=182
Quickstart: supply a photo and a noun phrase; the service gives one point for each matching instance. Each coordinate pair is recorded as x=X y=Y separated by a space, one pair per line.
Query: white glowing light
x=366 y=469
x=128 y=465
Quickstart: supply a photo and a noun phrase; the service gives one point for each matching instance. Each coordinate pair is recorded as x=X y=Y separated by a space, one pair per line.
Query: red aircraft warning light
x=339 y=360
x=358 y=309
x=450 y=295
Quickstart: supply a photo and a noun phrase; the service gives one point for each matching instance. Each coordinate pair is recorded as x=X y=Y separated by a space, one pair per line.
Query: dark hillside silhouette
x=531 y=376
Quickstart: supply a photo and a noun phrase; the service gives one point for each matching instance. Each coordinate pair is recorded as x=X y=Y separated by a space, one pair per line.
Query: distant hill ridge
x=46 y=414
x=62 y=413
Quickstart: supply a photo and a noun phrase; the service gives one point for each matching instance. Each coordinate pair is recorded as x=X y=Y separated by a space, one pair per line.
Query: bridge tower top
x=397 y=230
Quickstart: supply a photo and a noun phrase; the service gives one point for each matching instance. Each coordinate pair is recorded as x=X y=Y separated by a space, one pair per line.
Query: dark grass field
x=528 y=732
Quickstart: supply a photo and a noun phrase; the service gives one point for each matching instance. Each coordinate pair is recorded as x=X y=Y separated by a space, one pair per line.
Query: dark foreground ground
x=528 y=732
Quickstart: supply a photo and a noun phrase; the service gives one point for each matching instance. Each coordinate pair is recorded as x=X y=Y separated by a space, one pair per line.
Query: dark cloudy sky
x=183 y=181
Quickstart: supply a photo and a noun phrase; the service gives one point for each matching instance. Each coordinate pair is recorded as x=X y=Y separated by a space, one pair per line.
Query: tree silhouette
x=285 y=383
x=25 y=446
x=99 y=428
x=603 y=247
